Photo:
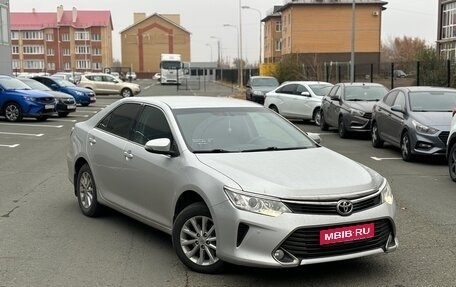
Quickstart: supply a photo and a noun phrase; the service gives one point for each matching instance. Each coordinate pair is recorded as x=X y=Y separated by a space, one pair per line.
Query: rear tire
x=323 y=125
x=274 y=108
x=316 y=117
x=406 y=150
x=343 y=133
x=375 y=137
x=126 y=93
x=195 y=241
x=86 y=191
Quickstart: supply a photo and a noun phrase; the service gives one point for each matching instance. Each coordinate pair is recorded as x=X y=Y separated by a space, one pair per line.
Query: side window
x=333 y=91
x=339 y=93
x=152 y=124
x=400 y=100
x=289 y=89
x=108 y=79
x=301 y=89
x=389 y=99
x=121 y=120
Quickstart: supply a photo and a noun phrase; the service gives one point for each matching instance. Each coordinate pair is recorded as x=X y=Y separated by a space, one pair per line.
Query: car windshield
x=217 y=130
x=321 y=89
x=64 y=83
x=365 y=93
x=432 y=101
x=171 y=65
x=35 y=85
x=265 y=82
x=13 y=84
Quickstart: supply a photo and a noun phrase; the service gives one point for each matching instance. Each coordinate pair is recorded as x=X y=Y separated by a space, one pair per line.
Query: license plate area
x=71 y=107
x=347 y=234
x=49 y=107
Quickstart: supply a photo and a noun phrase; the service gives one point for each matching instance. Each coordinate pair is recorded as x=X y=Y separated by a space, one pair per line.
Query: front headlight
x=79 y=93
x=424 y=129
x=258 y=93
x=32 y=99
x=253 y=203
x=387 y=194
x=356 y=112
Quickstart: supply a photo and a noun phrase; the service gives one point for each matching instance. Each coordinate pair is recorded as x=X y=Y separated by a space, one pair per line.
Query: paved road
x=46 y=241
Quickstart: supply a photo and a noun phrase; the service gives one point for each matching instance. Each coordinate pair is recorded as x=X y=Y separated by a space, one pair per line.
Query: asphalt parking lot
x=46 y=241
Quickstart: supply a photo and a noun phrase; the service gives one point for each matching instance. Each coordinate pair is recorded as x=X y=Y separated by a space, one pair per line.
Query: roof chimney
x=59 y=13
x=33 y=10
x=74 y=15
x=138 y=17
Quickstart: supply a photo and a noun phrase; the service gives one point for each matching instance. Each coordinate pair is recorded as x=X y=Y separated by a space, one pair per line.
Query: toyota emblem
x=344 y=207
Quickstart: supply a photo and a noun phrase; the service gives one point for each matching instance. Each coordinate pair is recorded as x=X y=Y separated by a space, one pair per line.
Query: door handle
x=128 y=155
x=92 y=141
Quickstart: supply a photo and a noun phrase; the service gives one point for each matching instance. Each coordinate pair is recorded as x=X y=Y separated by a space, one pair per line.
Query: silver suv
x=108 y=84
x=451 y=148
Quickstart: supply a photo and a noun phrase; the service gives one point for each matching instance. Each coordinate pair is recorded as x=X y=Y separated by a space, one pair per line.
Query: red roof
x=41 y=20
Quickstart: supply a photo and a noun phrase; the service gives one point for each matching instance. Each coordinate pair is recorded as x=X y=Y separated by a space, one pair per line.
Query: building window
x=448 y=50
x=15 y=49
x=278 y=45
x=4 y=34
x=66 y=52
x=32 y=35
x=82 y=50
x=51 y=66
x=96 y=37
x=449 y=20
x=81 y=35
x=66 y=66
x=50 y=52
x=289 y=42
x=33 y=49
x=66 y=37
x=82 y=64
x=16 y=64
x=278 y=26
x=14 y=35
x=96 y=51
x=96 y=66
x=49 y=37
x=33 y=64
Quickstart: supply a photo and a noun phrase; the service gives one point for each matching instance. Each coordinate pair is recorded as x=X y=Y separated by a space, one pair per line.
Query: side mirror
x=54 y=87
x=397 y=108
x=305 y=94
x=335 y=98
x=248 y=86
x=315 y=137
x=115 y=81
x=160 y=146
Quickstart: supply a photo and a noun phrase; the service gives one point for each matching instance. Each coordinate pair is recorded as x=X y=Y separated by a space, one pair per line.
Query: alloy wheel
x=12 y=112
x=86 y=190
x=452 y=162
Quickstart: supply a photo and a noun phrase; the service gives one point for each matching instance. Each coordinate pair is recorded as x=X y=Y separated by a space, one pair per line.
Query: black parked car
x=65 y=103
x=416 y=119
x=348 y=106
x=258 y=86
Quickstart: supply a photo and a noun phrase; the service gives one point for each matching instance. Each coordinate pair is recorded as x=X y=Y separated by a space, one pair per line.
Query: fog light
x=423 y=145
x=279 y=254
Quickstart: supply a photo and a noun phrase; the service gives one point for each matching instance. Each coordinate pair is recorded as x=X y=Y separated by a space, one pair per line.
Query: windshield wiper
x=272 y=148
x=217 y=150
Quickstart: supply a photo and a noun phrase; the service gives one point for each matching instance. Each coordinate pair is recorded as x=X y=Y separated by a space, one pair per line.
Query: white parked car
x=298 y=99
x=451 y=148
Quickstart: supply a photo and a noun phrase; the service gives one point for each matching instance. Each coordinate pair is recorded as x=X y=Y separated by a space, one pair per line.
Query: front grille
x=46 y=100
x=443 y=136
x=68 y=101
x=329 y=208
x=304 y=243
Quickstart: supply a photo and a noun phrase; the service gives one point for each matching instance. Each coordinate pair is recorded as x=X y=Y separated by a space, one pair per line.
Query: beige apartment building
x=321 y=31
x=143 y=42
x=61 y=41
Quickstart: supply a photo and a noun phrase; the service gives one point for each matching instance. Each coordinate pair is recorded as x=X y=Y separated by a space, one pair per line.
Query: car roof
x=305 y=82
x=426 y=89
x=181 y=102
x=358 y=84
x=262 y=77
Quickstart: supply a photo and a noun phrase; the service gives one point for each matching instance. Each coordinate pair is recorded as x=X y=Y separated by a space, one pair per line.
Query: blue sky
x=205 y=18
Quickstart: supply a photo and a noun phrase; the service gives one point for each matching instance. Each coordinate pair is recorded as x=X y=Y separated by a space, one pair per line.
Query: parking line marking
x=21 y=134
x=11 y=145
x=27 y=125
x=147 y=87
x=62 y=120
x=384 y=158
x=78 y=112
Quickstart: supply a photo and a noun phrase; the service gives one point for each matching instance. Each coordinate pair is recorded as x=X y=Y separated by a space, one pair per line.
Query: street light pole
x=241 y=64
x=259 y=13
x=219 y=53
x=352 y=57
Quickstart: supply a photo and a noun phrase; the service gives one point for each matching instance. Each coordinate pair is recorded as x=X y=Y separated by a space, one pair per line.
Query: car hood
x=60 y=95
x=365 y=106
x=30 y=93
x=315 y=173
x=441 y=120
x=84 y=90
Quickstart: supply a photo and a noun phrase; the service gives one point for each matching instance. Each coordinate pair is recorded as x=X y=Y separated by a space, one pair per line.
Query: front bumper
x=435 y=144
x=33 y=109
x=358 y=123
x=265 y=235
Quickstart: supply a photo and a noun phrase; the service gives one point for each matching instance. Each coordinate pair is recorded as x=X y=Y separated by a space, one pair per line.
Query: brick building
x=446 y=29
x=61 y=41
x=320 y=31
x=143 y=42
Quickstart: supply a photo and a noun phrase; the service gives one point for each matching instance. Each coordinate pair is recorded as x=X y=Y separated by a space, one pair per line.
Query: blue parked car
x=82 y=96
x=17 y=100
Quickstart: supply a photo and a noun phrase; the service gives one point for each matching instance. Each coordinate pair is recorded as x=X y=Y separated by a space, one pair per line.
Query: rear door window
x=121 y=120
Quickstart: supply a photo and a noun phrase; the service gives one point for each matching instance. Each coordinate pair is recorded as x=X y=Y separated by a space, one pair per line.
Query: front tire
x=86 y=192
x=316 y=117
x=274 y=108
x=452 y=162
x=406 y=151
x=13 y=112
x=343 y=133
x=376 y=140
x=195 y=241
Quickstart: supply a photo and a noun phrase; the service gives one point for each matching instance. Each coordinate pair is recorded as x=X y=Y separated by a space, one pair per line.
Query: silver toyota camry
x=231 y=181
